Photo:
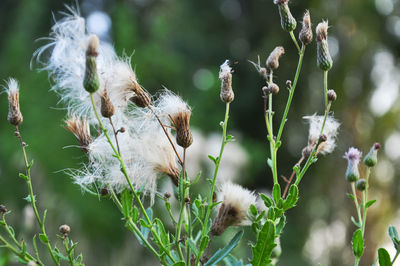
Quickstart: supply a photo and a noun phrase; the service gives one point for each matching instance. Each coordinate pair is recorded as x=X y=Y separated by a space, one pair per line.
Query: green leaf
x=222 y=253
x=26 y=178
x=292 y=197
x=43 y=238
x=230 y=260
x=355 y=222
x=265 y=244
x=253 y=210
x=60 y=255
x=28 y=198
x=394 y=236
x=11 y=230
x=276 y=193
x=161 y=231
x=271 y=214
x=369 y=203
x=384 y=257
x=269 y=163
x=267 y=200
x=197 y=178
x=230 y=138
x=296 y=169
x=358 y=243
x=213 y=159
x=204 y=243
x=181 y=189
x=281 y=225
x=179 y=263
x=351 y=196
x=192 y=246
x=127 y=203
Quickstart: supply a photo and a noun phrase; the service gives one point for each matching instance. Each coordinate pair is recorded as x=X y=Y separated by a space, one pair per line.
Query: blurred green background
x=180 y=44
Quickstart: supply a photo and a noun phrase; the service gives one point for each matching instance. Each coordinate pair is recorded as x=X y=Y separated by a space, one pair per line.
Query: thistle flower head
x=225 y=74
x=233 y=209
x=107 y=108
x=330 y=131
x=14 y=113
x=353 y=157
x=371 y=158
x=306 y=34
x=81 y=130
x=324 y=60
x=288 y=22
x=273 y=58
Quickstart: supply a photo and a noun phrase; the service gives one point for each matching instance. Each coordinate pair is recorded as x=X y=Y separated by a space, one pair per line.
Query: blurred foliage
x=180 y=44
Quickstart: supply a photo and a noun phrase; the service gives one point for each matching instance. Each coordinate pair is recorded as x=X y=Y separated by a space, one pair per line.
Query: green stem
x=295 y=41
x=218 y=160
x=357 y=261
x=24 y=256
x=395 y=257
x=326 y=88
x=365 y=199
x=291 y=93
x=353 y=188
x=70 y=258
x=33 y=200
x=125 y=173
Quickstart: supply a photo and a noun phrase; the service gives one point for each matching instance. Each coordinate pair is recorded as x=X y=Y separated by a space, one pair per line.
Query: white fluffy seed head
x=225 y=70
x=330 y=131
x=12 y=87
x=238 y=198
x=322 y=31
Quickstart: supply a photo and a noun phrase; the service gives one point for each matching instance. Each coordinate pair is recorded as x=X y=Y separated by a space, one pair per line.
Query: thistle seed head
x=81 y=130
x=107 y=108
x=181 y=120
x=306 y=34
x=14 y=113
x=91 y=81
x=225 y=74
x=141 y=97
x=324 y=59
x=93 y=46
x=273 y=58
x=64 y=229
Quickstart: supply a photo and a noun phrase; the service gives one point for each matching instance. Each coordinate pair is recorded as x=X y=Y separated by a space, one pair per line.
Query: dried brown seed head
x=225 y=74
x=107 y=108
x=322 y=31
x=93 y=46
x=273 y=58
x=80 y=128
x=273 y=88
x=181 y=120
x=306 y=34
x=14 y=113
x=141 y=97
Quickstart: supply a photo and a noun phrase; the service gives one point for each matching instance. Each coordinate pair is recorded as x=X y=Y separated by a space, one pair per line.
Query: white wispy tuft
x=225 y=70
x=330 y=131
x=12 y=86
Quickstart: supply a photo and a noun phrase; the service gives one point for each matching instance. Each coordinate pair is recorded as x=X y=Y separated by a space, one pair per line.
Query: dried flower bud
x=361 y=184
x=14 y=113
x=122 y=130
x=371 y=158
x=273 y=58
x=331 y=96
x=273 y=88
x=91 y=81
x=167 y=195
x=265 y=90
x=64 y=229
x=187 y=200
x=306 y=34
x=289 y=84
x=3 y=209
x=322 y=138
x=353 y=157
x=141 y=97
x=225 y=74
x=80 y=129
x=107 y=108
x=306 y=152
x=288 y=22
x=324 y=60
x=181 y=120
x=104 y=191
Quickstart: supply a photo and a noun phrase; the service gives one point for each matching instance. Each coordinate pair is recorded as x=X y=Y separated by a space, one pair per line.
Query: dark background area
x=180 y=44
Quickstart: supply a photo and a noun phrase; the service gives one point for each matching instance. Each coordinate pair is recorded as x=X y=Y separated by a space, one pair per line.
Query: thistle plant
x=134 y=141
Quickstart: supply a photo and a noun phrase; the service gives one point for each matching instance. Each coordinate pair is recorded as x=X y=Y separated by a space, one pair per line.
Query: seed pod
x=306 y=34
x=80 y=128
x=91 y=81
x=273 y=58
x=273 y=88
x=14 y=113
x=225 y=74
x=64 y=229
x=181 y=120
x=361 y=184
x=324 y=59
x=107 y=108
x=371 y=158
x=141 y=97
x=288 y=22
x=331 y=95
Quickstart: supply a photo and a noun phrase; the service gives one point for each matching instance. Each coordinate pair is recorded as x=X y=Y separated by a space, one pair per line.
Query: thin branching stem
x=355 y=199
x=134 y=192
x=326 y=88
x=32 y=197
x=365 y=200
x=295 y=41
x=115 y=134
x=68 y=251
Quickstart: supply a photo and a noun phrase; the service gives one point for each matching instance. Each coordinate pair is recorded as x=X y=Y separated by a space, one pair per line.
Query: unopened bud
x=273 y=58
x=107 y=108
x=265 y=90
x=104 y=191
x=91 y=81
x=361 y=184
x=306 y=152
x=273 y=88
x=306 y=34
x=225 y=74
x=3 y=209
x=64 y=229
x=167 y=195
x=324 y=60
x=288 y=22
x=122 y=130
x=331 y=96
x=289 y=84
x=371 y=158
x=14 y=113
x=187 y=200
